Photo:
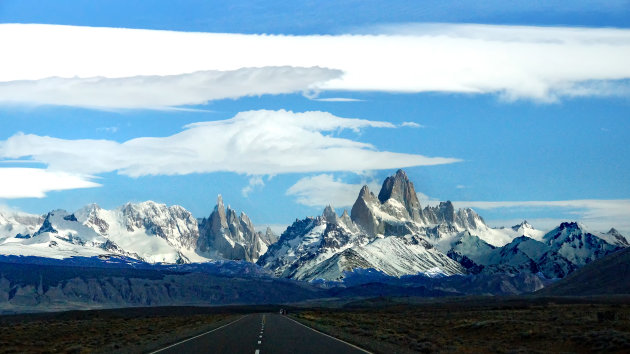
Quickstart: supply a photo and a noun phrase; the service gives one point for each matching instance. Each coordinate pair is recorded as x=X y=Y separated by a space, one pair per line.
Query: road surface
x=262 y=334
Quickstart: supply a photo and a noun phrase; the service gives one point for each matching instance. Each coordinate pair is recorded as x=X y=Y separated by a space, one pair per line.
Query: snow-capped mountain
x=231 y=236
x=146 y=231
x=59 y=236
x=392 y=233
x=16 y=223
x=154 y=232
x=387 y=233
x=554 y=254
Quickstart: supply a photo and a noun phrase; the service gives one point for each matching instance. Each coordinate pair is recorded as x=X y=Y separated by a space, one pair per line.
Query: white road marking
x=202 y=334
x=337 y=339
x=259 y=342
x=257 y=351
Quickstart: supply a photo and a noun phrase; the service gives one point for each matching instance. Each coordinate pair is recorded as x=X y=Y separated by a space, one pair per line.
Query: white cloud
x=158 y=92
x=538 y=63
x=411 y=125
x=254 y=143
x=337 y=99
x=35 y=182
x=599 y=214
x=325 y=189
x=254 y=181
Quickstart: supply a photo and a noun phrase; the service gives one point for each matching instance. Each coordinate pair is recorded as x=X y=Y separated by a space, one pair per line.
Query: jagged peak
x=570 y=225
x=329 y=214
x=148 y=203
x=446 y=204
x=398 y=187
x=345 y=214
x=244 y=218
x=365 y=191
x=613 y=231
x=400 y=174
x=88 y=210
x=231 y=212
x=92 y=206
x=524 y=224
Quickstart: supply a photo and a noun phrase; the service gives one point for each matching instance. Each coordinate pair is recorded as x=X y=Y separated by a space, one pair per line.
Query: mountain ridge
x=449 y=241
x=390 y=232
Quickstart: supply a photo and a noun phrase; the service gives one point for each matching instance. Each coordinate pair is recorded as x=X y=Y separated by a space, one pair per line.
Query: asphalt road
x=261 y=334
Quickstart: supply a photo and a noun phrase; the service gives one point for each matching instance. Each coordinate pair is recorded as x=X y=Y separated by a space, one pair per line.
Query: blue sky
x=525 y=122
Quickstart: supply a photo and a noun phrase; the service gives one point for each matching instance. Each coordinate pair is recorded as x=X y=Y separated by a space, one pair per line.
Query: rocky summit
x=148 y=231
x=231 y=236
x=389 y=232
x=393 y=234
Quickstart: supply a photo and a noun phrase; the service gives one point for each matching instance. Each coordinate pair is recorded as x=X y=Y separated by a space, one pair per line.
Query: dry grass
x=462 y=327
x=121 y=331
x=480 y=325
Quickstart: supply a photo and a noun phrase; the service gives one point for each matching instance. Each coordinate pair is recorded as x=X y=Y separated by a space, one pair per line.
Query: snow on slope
x=153 y=231
x=393 y=234
x=13 y=223
x=60 y=236
x=147 y=231
x=401 y=255
x=232 y=236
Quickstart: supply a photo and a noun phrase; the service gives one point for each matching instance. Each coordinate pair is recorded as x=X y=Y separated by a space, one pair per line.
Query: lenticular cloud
x=516 y=62
x=254 y=142
x=36 y=182
x=157 y=92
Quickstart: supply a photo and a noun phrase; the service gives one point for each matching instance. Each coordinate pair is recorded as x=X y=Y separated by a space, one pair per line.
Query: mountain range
x=389 y=232
x=147 y=231
x=392 y=233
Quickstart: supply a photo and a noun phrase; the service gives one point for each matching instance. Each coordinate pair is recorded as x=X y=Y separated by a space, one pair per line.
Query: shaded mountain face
x=399 y=188
x=605 y=276
x=232 y=236
x=397 y=211
x=392 y=233
x=555 y=255
x=58 y=287
x=387 y=233
x=146 y=231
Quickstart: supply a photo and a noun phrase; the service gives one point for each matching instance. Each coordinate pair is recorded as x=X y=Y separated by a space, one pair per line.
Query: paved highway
x=262 y=334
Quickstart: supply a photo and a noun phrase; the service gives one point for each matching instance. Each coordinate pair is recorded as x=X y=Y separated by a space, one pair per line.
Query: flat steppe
x=381 y=325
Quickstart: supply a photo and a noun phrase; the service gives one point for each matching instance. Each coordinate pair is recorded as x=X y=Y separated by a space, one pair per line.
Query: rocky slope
x=33 y=287
x=392 y=233
x=231 y=236
x=146 y=231
x=606 y=276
